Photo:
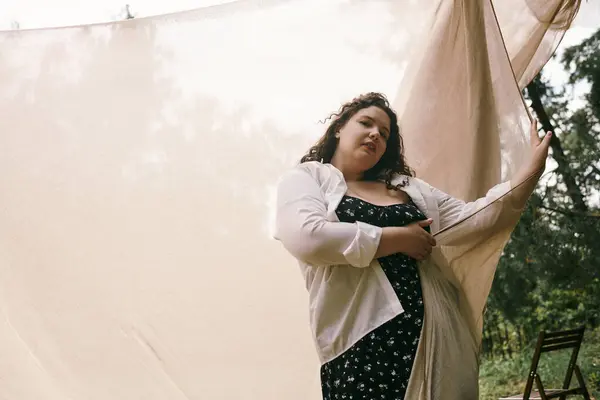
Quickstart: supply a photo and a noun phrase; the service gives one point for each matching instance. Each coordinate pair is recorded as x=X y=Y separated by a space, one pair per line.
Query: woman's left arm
x=526 y=179
x=479 y=218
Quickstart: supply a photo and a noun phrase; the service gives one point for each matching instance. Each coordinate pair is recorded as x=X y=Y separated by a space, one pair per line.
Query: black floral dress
x=378 y=366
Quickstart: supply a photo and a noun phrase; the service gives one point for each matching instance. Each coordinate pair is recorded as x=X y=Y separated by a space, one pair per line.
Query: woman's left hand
x=539 y=150
x=533 y=168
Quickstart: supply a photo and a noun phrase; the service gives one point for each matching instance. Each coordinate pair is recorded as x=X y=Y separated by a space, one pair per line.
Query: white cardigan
x=349 y=294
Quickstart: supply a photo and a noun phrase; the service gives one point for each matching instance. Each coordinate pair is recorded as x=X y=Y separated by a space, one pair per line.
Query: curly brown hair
x=391 y=163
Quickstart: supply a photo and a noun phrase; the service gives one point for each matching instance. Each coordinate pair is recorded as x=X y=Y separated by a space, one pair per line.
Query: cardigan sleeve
x=301 y=225
x=461 y=222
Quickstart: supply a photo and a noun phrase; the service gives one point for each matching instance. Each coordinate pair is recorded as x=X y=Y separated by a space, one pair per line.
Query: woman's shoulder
x=408 y=180
x=310 y=166
x=418 y=181
x=322 y=174
x=316 y=169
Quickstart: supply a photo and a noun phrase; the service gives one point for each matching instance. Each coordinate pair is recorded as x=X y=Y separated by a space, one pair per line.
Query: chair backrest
x=553 y=341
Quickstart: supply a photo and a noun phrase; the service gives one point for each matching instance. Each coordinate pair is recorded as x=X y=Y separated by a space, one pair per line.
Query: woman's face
x=363 y=139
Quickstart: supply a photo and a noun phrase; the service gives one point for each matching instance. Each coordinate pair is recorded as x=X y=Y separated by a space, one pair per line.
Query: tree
x=549 y=275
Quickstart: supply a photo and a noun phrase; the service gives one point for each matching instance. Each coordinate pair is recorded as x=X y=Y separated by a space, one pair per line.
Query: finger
x=431 y=241
x=547 y=138
x=424 y=249
x=423 y=256
x=424 y=238
x=425 y=223
x=535 y=137
x=428 y=238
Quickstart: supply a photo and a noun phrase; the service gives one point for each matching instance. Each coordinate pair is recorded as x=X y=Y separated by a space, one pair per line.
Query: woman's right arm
x=301 y=225
x=411 y=240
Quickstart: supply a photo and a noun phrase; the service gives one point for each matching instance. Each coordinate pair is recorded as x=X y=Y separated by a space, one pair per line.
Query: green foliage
x=501 y=377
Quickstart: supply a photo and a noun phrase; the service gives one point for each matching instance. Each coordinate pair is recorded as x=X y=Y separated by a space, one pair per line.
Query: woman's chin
x=366 y=163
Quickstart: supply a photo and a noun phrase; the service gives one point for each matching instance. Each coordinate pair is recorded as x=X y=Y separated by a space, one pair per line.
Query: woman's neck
x=350 y=174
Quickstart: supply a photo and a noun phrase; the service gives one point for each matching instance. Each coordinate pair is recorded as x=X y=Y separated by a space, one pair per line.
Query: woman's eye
x=383 y=134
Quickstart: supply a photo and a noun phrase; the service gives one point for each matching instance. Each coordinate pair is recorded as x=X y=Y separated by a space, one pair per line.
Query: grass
x=501 y=377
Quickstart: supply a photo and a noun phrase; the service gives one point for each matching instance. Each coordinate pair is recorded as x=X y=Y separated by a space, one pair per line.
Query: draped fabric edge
x=424 y=383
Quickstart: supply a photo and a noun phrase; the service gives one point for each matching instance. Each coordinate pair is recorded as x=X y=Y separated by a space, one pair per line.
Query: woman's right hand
x=415 y=241
x=412 y=240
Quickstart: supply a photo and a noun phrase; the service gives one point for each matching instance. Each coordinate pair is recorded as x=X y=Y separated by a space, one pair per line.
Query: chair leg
x=540 y=386
x=581 y=381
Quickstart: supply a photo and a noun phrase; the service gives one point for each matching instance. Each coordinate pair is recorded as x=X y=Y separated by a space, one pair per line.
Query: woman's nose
x=374 y=134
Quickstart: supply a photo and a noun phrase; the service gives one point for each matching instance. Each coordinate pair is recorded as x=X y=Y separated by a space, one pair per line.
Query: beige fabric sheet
x=138 y=164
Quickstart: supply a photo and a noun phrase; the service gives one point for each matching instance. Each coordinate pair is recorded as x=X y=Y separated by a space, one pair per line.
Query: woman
x=358 y=222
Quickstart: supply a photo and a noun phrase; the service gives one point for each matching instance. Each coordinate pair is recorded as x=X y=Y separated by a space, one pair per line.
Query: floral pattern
x=378 y=366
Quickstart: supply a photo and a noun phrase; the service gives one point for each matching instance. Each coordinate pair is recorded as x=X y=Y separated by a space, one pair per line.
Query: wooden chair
x=548 y=342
